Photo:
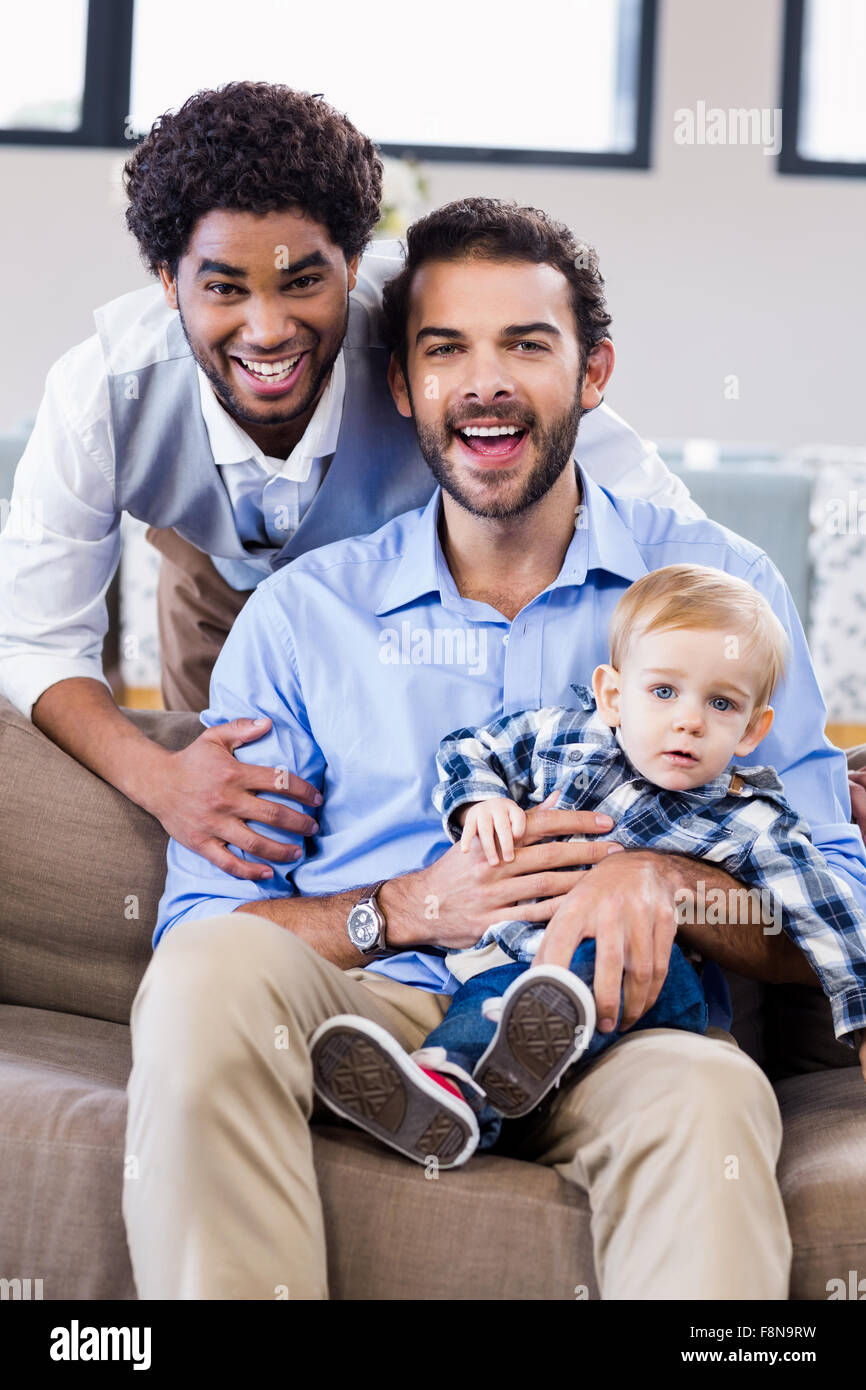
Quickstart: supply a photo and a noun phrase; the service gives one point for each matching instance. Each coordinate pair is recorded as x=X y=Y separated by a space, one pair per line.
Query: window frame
x=790 y=160
x=105 y=99
x=108 y=77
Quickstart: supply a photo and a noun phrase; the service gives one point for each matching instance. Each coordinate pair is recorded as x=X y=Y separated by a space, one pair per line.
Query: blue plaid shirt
x=740 y=821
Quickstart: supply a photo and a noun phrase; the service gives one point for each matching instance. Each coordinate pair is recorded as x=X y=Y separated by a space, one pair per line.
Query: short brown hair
x=492 y=229
x=705 y=599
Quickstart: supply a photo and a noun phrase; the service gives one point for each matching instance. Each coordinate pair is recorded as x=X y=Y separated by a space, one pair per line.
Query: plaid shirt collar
x=742 y=782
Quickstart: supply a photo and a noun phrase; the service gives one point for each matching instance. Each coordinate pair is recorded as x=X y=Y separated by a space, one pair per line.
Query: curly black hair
x=498 y=230
x=250 y=147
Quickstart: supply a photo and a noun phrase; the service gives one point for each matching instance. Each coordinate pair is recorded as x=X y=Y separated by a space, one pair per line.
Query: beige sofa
x=81 y=871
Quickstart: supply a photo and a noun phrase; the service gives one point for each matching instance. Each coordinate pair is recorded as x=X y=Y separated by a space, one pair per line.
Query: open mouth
x=680 y=758
x=270 y=378
x=493 y=445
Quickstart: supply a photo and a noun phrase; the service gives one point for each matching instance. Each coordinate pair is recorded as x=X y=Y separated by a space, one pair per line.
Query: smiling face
x=493 y=379
x=684 y=710
x=264 y=305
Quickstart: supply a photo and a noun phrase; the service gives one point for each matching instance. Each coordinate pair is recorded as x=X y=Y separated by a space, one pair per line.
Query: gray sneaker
x=363 y=1074
x=545 y=1021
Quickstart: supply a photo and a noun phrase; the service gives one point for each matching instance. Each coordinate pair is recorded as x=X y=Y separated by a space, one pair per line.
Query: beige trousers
x=196 y=609
x=221 y=1199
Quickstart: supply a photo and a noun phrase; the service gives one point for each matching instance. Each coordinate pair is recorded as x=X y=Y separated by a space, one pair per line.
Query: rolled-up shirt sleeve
x=61 y=543
x=255 y=675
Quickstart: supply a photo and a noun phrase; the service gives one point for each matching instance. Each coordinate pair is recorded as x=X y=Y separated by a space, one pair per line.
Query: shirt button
x=505 y=640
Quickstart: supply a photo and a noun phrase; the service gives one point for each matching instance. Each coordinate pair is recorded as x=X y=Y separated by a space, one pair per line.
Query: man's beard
x=227 y=396
x=554 y=447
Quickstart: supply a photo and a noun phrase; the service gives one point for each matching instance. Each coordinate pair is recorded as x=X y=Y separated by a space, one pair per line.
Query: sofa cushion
x=821 y=1174
x=82 y=869
x=63 y=1108
x=522 y=1232
x=500 y=1228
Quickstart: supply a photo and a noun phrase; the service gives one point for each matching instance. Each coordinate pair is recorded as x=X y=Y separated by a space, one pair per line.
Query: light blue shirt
x=364 y=655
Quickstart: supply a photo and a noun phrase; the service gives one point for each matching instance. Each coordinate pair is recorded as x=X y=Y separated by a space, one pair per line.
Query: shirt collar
x=230 y=444
x=601 y=540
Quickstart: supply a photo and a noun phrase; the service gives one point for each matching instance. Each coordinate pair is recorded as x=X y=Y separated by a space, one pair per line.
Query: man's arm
x=449 y=904
x=744 y=947
x=201 y=795
x=57 y=556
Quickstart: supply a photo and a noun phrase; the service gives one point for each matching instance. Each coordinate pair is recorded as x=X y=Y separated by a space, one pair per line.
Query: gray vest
x=165 y=473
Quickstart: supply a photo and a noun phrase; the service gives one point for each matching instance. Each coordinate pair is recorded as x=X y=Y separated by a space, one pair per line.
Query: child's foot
x=545 y=1020
x=363 y=1074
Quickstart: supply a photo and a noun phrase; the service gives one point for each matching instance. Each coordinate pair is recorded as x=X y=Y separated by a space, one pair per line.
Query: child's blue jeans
x=465 y=1033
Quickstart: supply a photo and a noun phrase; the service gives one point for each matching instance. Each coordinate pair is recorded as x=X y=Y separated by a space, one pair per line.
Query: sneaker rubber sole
x=547 y=1021
x=364 y=1075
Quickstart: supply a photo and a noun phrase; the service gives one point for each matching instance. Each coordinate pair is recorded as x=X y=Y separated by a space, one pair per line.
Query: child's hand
x=492 y=820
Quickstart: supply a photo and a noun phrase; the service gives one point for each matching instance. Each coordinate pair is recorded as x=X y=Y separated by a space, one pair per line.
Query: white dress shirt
x=61 y=545
x=269 y=496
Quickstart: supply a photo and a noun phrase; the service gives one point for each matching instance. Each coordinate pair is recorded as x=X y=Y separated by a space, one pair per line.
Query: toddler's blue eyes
x=720 y=703
x=664 y=692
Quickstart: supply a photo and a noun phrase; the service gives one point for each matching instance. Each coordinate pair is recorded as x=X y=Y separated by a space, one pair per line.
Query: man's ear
x=606 y=687
x=352 y=271
x=169 y=286
x=757 y=730
x=399 y=389
x=599 y=369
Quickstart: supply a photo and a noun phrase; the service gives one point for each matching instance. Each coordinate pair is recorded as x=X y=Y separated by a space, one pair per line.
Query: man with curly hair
x=240 y=407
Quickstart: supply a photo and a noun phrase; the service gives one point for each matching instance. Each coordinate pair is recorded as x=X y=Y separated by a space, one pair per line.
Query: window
x=824 y=95
x=568 y=82
x=42 y=85
x=64 y=73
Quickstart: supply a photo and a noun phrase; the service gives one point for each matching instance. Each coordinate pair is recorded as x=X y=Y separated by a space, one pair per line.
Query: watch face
x=365 y=928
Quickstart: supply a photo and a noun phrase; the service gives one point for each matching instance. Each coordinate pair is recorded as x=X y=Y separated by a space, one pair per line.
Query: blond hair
x=705 y=599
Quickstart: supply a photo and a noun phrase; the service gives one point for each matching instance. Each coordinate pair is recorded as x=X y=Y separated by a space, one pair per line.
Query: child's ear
x=606 y=686
x=757 y=730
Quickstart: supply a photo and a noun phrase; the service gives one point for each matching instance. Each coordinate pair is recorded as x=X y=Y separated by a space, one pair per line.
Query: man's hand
x=455 y=900
x=628 y=907
x=204 y=798
x=857 y=787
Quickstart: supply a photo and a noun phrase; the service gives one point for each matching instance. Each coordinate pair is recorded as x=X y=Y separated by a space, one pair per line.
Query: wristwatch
x=366 y=925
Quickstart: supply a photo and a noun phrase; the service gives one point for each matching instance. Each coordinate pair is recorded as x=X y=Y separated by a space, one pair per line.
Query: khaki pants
x=223 y=1201
x=195 y=609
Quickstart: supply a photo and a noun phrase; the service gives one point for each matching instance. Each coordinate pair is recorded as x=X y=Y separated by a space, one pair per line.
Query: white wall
x=716 y=265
